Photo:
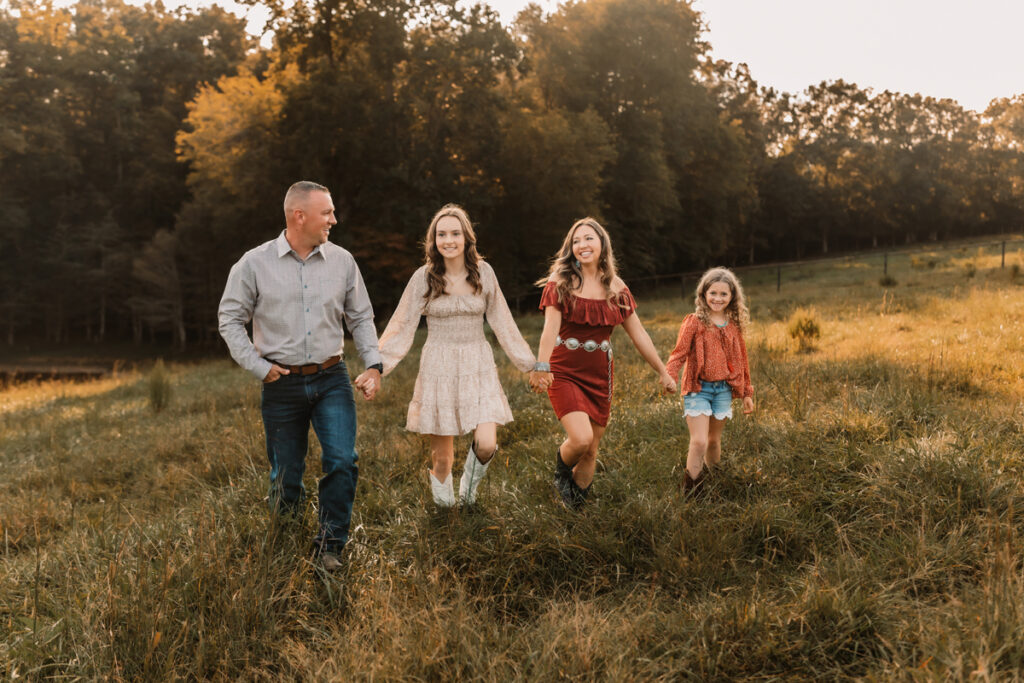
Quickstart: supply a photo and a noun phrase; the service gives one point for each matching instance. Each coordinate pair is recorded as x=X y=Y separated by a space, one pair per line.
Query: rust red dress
x=583 y=379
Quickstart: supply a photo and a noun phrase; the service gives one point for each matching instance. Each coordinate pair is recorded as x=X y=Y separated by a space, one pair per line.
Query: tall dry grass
x=866 y=523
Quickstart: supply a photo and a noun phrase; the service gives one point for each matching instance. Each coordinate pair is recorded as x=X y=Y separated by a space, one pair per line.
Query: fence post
x=778 y=279
x=1002 y=260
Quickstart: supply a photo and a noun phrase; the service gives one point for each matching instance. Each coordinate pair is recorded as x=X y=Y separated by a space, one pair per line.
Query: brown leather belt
x=311 y=368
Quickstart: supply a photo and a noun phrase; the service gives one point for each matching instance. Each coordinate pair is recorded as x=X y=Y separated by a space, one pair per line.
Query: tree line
x=143 y=150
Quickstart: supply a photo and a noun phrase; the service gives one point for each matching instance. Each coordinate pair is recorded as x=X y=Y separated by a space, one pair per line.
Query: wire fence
x=687 y=281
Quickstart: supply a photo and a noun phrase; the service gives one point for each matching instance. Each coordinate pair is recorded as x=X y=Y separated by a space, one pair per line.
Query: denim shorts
x=714 y=398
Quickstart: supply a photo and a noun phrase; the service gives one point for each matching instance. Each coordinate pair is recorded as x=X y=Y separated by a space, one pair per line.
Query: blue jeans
x=289 y=406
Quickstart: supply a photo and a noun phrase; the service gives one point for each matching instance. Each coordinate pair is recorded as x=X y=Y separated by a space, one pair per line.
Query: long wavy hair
x=736 y=310
x=568 y=275
x=435 y=262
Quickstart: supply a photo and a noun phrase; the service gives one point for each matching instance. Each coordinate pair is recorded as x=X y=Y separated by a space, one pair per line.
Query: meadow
x=867 y=522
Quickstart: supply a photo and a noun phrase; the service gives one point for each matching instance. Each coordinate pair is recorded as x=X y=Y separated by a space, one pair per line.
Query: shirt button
x=308 y=333
x=307 y=310
x=305 y=286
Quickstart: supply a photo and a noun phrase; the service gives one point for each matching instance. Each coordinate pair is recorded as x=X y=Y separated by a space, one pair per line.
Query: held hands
x=368 y=383
x=748 y=405
x=668 y=385
x=540 y=381
x=276 y=372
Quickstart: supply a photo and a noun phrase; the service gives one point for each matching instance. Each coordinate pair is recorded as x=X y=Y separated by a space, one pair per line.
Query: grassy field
x=868 y=520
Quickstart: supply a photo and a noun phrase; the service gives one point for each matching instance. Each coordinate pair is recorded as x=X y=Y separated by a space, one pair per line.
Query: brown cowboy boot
x=690 y=485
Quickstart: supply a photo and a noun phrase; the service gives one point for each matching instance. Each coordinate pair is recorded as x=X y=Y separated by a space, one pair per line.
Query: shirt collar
x=284 y=248
x=282 y=245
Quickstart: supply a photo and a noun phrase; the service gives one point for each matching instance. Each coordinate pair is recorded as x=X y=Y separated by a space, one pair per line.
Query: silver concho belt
x=590 y=345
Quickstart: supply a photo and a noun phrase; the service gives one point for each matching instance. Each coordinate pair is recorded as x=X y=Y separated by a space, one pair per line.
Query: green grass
x=868 y=520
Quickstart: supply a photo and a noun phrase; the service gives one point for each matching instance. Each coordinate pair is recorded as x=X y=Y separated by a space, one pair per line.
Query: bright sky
x=972 y=52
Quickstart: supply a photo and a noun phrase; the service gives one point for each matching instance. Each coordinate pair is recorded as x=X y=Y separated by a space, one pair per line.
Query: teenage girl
x=457 y=389
x=583 y=300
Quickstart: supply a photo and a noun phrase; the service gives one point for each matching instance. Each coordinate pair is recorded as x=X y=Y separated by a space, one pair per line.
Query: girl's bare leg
x=486 y=439
x=699 y=427
x=442 y=455
x=583 y=473
x=714 y=451
x=579 y=433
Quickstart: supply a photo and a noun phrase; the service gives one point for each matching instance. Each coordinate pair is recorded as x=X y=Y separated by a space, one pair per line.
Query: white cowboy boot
x=472 y=474
x=443 y=491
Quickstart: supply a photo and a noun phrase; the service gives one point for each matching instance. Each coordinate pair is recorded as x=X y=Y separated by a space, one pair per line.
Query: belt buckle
x=572 y=343
x=590 y=345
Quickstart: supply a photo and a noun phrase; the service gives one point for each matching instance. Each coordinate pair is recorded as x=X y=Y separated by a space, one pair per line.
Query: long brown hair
x=568 y=275
x=736 y=310
x=434 y=260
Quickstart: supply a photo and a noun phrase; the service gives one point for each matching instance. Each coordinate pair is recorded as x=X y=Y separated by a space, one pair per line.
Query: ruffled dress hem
x=465 y=427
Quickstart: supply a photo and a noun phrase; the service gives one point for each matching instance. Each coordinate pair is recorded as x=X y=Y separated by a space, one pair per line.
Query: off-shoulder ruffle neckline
x=596 y=312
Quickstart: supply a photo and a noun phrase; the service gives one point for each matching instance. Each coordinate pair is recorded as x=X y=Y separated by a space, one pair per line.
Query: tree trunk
x=179 y=328
x=136 y=328
x=102 y=332
x=55 y=322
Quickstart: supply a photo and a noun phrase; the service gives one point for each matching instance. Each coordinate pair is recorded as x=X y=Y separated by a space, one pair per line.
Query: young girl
x=711 y=344
x=583 y=301
x=457 y=389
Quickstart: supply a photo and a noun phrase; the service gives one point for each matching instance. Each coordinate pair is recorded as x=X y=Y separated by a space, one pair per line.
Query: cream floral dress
x=457 y=387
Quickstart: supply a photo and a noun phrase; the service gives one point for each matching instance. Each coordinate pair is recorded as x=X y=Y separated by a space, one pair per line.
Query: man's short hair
x=298 y=193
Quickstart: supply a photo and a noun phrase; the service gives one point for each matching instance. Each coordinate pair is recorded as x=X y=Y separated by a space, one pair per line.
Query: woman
x=457 y=389
x=583 y=300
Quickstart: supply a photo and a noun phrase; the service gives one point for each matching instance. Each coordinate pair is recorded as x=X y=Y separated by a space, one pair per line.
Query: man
x=296 y=290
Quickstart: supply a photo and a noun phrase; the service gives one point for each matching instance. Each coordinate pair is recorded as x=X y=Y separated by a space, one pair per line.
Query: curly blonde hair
x=736 y=310
x=568 y=275
x=434 y=260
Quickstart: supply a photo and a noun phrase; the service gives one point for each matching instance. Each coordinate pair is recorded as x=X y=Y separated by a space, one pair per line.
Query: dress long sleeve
x=398 y=336
x=748 y=388
x=499 y=317
x=684 y=341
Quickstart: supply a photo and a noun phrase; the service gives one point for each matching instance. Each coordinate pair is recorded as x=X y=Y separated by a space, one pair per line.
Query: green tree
x=679 y=174
x=158 y=300
x=89 y=106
